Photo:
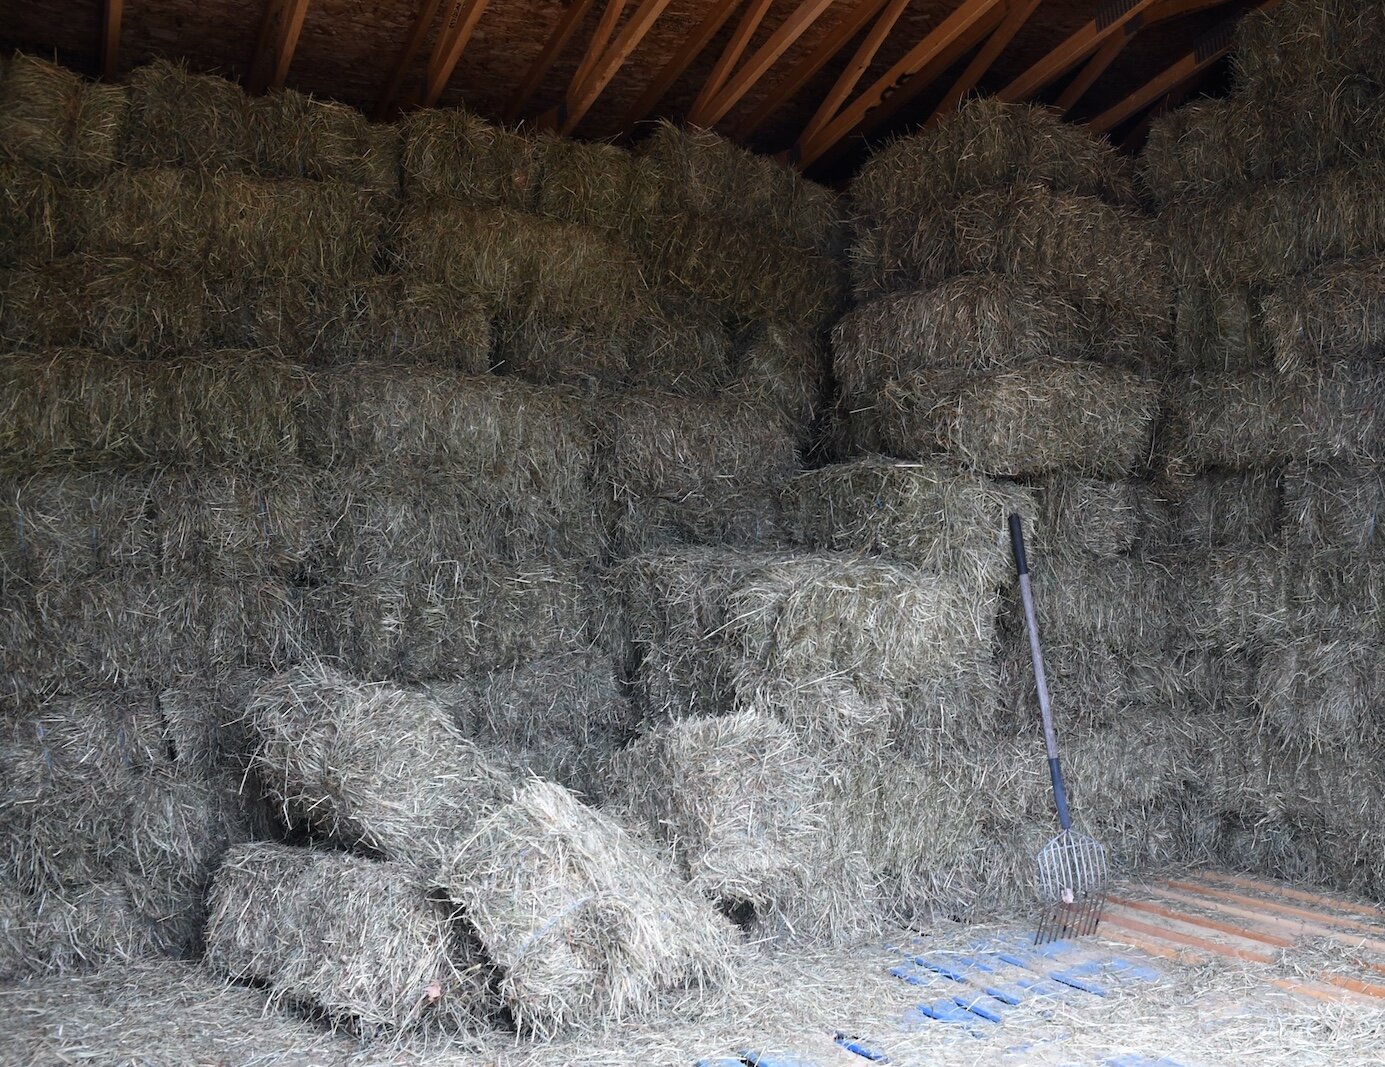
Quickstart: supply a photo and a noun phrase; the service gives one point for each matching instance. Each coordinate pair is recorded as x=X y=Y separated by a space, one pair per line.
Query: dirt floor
x=1199 y=970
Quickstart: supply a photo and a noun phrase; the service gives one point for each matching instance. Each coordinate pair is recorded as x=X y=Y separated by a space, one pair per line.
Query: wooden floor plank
x=1179 y=937
x=1301 y=895
x=1339 y=921
x=1234 y=929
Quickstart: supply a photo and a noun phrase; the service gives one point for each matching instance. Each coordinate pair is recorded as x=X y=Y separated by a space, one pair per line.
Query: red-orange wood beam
x=822 y=54
x=1172 y=9
x=1085 y=78
x=453 y=37
x=780 y=41
x=110 y=36
x=1208 y=50
x=855 y=69
x=553 y=47
x=730 y=56
x=945 y=36
x=584 y=93
x=426 y=13
x=679 y=62
x=279 y=29
x=601 y=36
x=984 y=59
x=1111 y=18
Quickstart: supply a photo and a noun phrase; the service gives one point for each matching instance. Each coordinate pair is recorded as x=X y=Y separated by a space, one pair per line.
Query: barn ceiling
x=817 y=80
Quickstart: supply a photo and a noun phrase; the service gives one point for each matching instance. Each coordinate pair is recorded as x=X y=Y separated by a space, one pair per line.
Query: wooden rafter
x=583 y=94
x=601 y=37
x=553 y=47
x=769 y=53
x=822 y=54
x=939 y=41
x=110 y=36
x=854 y=70
x=426 y=13
x=453 y=36
x=730 y=56
x=1208 y=50
x=1172 y=9
x=984 y=59
x=1085 y=78
x=1111 y=18
x=1135 y=138
x=279 y=29
x=679 y=62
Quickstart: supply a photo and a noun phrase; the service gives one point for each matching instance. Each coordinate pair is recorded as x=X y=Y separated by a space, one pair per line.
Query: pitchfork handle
x=1031 y=625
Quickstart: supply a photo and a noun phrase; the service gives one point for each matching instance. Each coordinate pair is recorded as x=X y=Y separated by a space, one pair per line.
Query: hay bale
x=232 y=225
x=1321 y=690
x=292 y=135
x=456 y=154
x=1333 y=507
x=114 y=304
x=1113 y=602
x=1226 y=509
x=735 y=799
x=1044 y=416
x=1336 y=312
x=52 y=120
x=179 y=119
x=1263 y=418
x=91 y=926
x=779 y=368
x=20 y=954
x=583 y=182
x=70 y=403
x=582 y=923
x=1332 y=592
x=31 y=217
x=507 y=259
x=359 y=940
x=1230 y=599
x=678 y=470
x=1303 y=46
x=369 y=765
x=1078 y=515
x=985 y=145
x=936 y=516
x=1090 y=685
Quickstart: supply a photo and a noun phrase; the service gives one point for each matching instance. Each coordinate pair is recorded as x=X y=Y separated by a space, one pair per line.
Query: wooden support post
x=1085 y=78
x=426 y=13
x=730 y=56
x=283 y=20
x=582 y=94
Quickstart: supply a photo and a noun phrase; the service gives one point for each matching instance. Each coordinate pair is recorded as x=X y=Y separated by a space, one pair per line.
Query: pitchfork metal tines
x=1071 y=867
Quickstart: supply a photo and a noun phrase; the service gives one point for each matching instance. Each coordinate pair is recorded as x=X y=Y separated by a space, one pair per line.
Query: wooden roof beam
x=822 y=54
x=583 y=93
x=110 y=36
x=1085 y=78
x=984 y=59
x=453 y=37
x=279 y=30
x=1172 y=9
x=730 y=56
x=558 y=39
x=679 y=62
x=942 y=40
x=1208 y=50
x=780 y=41
x=1111 y=18
x=426 y=13
x=601 y=36
x=856 y=69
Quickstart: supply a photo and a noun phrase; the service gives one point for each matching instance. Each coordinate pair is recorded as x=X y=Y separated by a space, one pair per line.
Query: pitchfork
x=1072 y=866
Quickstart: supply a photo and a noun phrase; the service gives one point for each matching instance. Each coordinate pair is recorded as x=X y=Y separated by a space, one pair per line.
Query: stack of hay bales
x=1273 y=443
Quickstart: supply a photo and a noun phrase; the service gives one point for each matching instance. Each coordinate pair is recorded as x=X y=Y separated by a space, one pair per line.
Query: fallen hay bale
x=31 y=217
x=360 y=940
x=1045 y=416
x=1337 y=312
x=293 y=135
x=233 y=225
x=935 y=515
x=581 y=922
x=453 y=153
x=369 y=765
x=70 y=403
x=179 y=119
x=53 y=120
x=583 y=182
x=114 y=304
x=1225 y=509
x=1078 y=515
x=1334 y=508
x=1306 y=45
x=987 y=144
x=1321 y=690
x=678 y=470
x=735 y=798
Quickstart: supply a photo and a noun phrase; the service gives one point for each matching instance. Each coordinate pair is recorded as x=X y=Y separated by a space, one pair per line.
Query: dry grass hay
x=678 y=470
x=1089 y=684
x=1222 y=330
x=831 y=718
x=583 y=182
x=455 y=154
x=581 y=921
x=1335 y=593
x=934 y=515
x=52 y=120
x=1304 y=45
x=178 y=119
x=1230 y=599
x=69 y=403
x=1334 y=508
x=361 y=941
x=1262 y=418
x=1334 y=313
x=735 y=798
x=114 y=304
x=369 y=765
x=558 y=718
x=987 y=144
x=1045 y=416
x=20 y=953
x=32 y=226
x=509 y=259
x=546 y=350
x=1078 y=515
x=295 y=136
x=91 y=926
x=1221 y=509
x=1115 y=602
x=779 y=368
x=1321 y=690
x=233 y=225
